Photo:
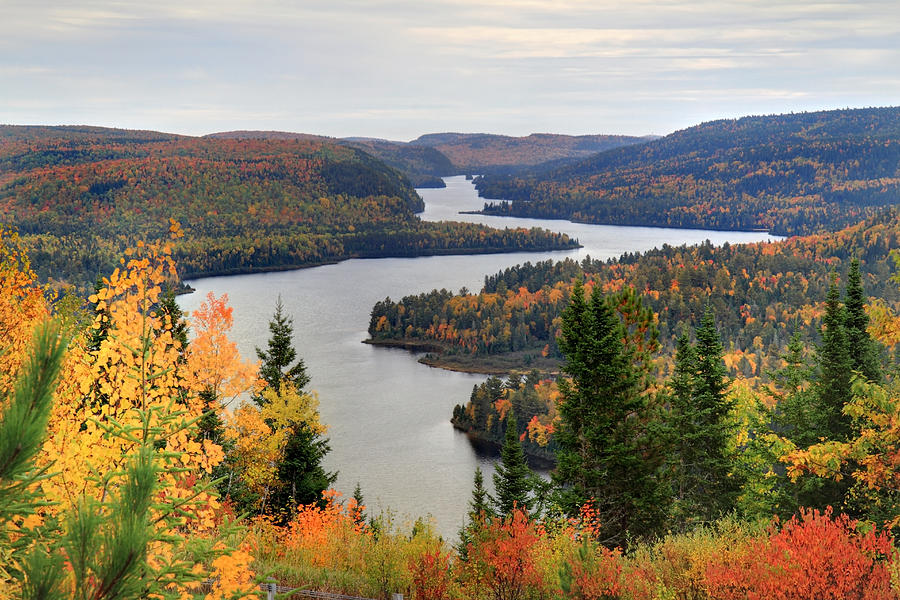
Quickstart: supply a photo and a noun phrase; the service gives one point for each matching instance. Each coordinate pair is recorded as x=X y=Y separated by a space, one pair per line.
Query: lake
x=388 y=415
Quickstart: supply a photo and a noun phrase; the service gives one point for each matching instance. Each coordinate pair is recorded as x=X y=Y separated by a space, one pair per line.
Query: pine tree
x=864 y=351
x=278 y=360
x=603 y=413
x=512 y=480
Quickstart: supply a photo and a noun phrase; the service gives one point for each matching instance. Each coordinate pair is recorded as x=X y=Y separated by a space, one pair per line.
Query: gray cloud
x=398 y=68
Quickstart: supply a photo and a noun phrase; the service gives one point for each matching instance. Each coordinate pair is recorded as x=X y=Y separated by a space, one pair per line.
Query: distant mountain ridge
x=789 y=174
x=483 y=152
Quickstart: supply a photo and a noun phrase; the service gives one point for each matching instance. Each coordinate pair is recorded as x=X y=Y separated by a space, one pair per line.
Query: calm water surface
x=388 y=415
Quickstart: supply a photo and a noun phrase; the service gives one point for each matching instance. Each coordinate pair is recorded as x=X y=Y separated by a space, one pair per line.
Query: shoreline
x=497 y=364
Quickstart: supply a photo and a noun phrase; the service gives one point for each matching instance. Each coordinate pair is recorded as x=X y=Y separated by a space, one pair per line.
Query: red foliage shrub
x=431 y=575
x=811 y=557
x=502 y=559
x=592 y=573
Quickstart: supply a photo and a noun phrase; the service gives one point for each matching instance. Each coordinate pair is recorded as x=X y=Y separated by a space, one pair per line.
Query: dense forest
x=788 y=174
x=79 y=196
x=761 y=293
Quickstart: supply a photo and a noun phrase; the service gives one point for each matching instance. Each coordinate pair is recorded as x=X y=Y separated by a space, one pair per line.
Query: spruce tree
x=817 y=414
x=168 y=307
x=277 y=362
x=301 y=477
x=602 y=452
x=360 y=516
x=864 y=351
x=834 y=367
x=681 y=424
x=512 y=481
x=705 y=484
x=479 y=513
x=715 y=486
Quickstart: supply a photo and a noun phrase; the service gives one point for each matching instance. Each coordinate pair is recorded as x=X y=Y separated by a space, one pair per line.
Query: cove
x=388 y=415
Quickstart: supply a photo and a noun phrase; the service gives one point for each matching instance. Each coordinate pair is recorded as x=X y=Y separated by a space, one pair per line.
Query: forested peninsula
x=762 y=293
x=79 y=196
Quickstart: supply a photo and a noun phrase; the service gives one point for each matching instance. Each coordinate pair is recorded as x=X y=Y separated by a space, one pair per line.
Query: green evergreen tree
x=602 y=434
x=834 y=371
x=512 y=480
x=168 y=307
x=278 y=361
x=682 y=382
x=480 y=511
x=24 y=415
x=480 y=503
x=301 y=477
x=715 y=486
x=681 y=426
x=810 y=416
x=360 y=501
x=865 y=353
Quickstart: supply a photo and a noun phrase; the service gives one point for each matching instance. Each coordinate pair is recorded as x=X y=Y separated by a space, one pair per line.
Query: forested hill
x=80 y=195
x=423 y=165
x=789 y=174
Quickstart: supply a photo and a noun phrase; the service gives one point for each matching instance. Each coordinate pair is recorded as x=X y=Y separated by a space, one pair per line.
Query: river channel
x=388 y=415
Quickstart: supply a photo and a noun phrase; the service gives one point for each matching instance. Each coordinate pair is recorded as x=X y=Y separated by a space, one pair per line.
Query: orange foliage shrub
x=313 y=530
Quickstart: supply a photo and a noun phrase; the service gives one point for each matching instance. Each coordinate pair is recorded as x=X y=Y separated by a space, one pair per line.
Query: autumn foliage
x=122 y=434
x=814 y=555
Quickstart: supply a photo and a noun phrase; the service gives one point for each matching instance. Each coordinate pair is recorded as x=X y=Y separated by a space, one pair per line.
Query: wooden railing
x=272 y=588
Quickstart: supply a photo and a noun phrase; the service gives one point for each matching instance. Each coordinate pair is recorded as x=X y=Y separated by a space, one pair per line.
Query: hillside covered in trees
x=788 y=174
x=423 y=165
x=79 y=196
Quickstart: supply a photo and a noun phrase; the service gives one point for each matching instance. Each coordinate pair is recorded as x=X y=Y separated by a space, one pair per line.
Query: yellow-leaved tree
x=261 y=434
x=129 y=510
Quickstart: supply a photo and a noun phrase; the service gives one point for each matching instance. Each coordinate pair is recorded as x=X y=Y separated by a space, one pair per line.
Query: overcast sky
x=396 y=69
